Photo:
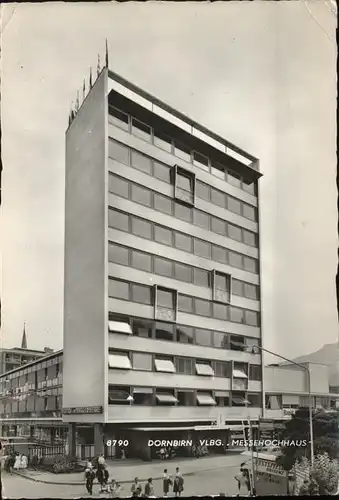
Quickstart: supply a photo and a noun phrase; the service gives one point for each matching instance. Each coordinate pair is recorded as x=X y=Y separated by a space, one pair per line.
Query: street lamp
x=310 y=406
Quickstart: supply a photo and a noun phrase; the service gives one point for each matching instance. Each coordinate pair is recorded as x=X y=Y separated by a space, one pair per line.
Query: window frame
x=180 y=194
x=162 y=313
x=220 y=295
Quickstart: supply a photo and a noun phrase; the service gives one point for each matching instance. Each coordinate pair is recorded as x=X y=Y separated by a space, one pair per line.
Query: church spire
x=106 y=61
x=24 y=338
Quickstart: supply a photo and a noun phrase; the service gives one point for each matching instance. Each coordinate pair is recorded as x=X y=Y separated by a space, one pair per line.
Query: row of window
x=166 y=236
x=147 y=197
x=147 y=133
x=31 y=403
x=149 y=396
x=183 y=180
x=170 y=299
x=124 y=360
x=35 y=367
x=279 y=402
x=185 y=334
x=165 y=267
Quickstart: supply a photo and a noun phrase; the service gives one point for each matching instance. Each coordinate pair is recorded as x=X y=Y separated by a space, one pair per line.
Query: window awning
x=119 y=327
x=166 y=398
x=206 y=370
x=239 y=374
x=142 y=390
x=119 y=396
x=239 y=401
x=119 y=361
x=206 y=400
x=164 y=365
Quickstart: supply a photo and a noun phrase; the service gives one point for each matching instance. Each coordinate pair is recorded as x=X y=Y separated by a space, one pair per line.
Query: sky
x=261 y=74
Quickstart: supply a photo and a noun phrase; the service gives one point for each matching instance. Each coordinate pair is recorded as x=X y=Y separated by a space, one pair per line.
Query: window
x=164 y=365
x=186 y=398
x=119 y=326
x=236 y=315
x=141 y=195
x=203 y=337
x=204 y=368
x=185 y=303
x=201 y=161
x=117 y=220
x=237 y=343
x=184 y=181
x=162 y=172
x=183 y=272
x=235 y=259
x=164 y=331
x=118 y=289
x=118 y=254
x=201 y=277
x=219 y=254
x=185 y=365
x=249 y=238
x=250 y=265
x=162 y=204
x=205 y=399
x=141 y=260
x=249 y=212
x=233 y=179
x=202 y=190
x=234 y=232
x=118 y=152
x=273 y=402
x=141 y=228
x=221 y=287
x=142 y=328
x=255 y=372
x=201 y=219
x=251 y=318
x=165 y=298
x=240 y=370
x=220 y=311
x=249 y=188
x=222 y=398
x=250 y=291
x=119 y=395
x=141 y=162
x=218 y=226
x=118 y=186
x=183 y=242
x=221 y=340
x=163 y=267
x=162 y=141
x=141 y=130
x=237 y=287
x=222 y=369
x=184 y=334
x=217 y=170
x=165 y=398
x=238 y=399
x=162 y=235
x=218 y=198
x=182 y=212
x=141 y=294
x=182 y=152
x=143 y=396
x=202 y=307
x=119 y=361
x=202 y=248
x=118 y=118
x=234 y=205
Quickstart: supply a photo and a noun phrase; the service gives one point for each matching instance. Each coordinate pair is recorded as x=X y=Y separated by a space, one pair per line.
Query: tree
x=325 y=474
x=325 y=436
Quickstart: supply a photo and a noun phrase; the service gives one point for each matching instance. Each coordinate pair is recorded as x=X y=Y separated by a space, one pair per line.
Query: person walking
x=178 y=486
x=149 y=488
x=136 y=488
x=100 y=477
x=167 y=482
x=89 y=476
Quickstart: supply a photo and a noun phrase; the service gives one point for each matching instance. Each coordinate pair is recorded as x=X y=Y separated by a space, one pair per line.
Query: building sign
x=84 y=410
x=270 y=478
x=269 y=467
x=289 y=411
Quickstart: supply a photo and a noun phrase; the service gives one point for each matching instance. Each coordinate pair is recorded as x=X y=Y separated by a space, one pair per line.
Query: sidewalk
x=125 y=471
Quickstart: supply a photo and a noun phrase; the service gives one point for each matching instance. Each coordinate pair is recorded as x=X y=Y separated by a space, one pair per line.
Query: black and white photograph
x=169 y=249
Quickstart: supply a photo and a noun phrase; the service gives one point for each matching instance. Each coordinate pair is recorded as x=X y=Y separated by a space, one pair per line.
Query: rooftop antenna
x=84 y=90
x=106 y=54
x=77 y=103
x=98 y=65
x=90 y=78
x=24 y=338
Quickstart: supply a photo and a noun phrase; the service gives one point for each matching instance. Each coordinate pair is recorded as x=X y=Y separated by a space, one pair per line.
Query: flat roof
x=35 y=362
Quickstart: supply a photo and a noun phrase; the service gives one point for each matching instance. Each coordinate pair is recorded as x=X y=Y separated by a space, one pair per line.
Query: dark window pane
x=201 y=219
x=141 y=130
x=182 y=151
x=217 y=170
x=221 y=340
x=184 y=182
x=249 y=188
x=220 y=311
x=141 y=162
x=118 y=220
x=234 y=232
x=118 y=118
x=118 y=152
x=185 y=365
x=249 y=238
x=142 y=294
x=162 y=141
x=118 y=254
x=251 y=318
x=218 y=198
x=234 y=205
x=233 y=179
x=142 y=261
x=236 y=315
x=164 y=331
x=141 y=195
x=250 y=291
x=141 y=228
x=250 y=265
x=237 y=288
x=200 y=160
x=201 y=277
x=185 y=303
x=162 y=172
x=202 y=248
x=202 y=190
x=118 y=289
x=162 y=235
x=203 y=337
x=118 y=186
x=249 y=211
x=163 y=267
x=218 y=226
x=221 y=281
x=163 y=204
x=183 y=272
x=185 y=334
x=202 y=307
x=142 y=328
x=165 y=298
x=219 y=254
x=183 y=242
x=235 y=259
x=182 y=212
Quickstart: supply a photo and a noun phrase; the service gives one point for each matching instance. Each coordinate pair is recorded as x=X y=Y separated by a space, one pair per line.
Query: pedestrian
x=149 y=488
x=101 y=477
x=101 y=460
x=89 y=476
x=136 y=488
x=24 y=461
x=17 y=463
x=178 y=486
x=243 y=483
x=106 y=477
x=167 y=482
x=305 y=488
x=115 y=489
